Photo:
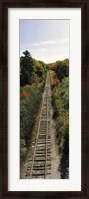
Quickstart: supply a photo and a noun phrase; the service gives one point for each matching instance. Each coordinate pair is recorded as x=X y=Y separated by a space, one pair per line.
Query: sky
x=46 y=40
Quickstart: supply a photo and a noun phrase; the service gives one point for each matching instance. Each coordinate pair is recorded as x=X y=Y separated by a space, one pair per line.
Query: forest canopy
x=32 y=81
x=59 y=72
x=31 y=70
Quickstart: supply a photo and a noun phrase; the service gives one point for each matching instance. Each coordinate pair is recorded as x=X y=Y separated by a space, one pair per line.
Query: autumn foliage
x=25 y=94
x=55 y=82
x=32 y=81
x=59 y=75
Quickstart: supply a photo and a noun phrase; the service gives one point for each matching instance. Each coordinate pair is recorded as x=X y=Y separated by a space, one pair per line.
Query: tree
x=27 y=61
x=62 y=69
x=31 y=70
x=27 y=68
x=26 y=53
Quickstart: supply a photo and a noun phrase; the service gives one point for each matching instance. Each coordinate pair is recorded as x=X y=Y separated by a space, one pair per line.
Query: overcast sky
x=46 y=40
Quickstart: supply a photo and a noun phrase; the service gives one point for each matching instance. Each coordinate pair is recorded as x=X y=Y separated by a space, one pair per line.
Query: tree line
x=31 y=70
x=32 y=81
x=59 y=72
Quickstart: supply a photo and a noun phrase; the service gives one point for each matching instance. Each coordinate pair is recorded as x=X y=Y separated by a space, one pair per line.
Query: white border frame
x=74 y=182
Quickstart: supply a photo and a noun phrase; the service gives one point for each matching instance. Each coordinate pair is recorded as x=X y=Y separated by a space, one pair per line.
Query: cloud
x=51 y=42
x=42 y=49
x=36 y=44
x=52 y=54
x=65 y=40
x=49 y=50
x=48 y=42
x=44 y=43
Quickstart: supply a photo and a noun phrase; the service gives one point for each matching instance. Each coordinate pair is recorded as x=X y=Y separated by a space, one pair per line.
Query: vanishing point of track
x=40 y=163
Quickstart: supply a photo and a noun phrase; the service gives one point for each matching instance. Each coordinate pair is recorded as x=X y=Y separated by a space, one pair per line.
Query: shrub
x=29 y=105
x=61 y=115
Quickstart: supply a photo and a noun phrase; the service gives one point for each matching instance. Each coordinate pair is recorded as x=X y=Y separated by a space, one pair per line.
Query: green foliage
x=32 y=79
x=61 y=101
x=40 y=69
x=23 y=147
x=52 y=66
x=28 y=113
x=61 y=115
x=27 y=68
x=31 y=69
x=62 y=69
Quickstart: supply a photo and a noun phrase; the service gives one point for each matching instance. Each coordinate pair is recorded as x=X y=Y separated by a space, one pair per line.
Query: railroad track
x=40 y=162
